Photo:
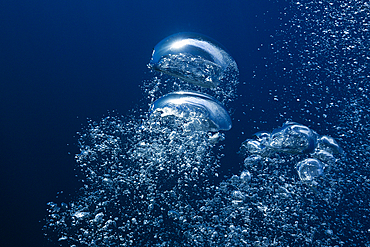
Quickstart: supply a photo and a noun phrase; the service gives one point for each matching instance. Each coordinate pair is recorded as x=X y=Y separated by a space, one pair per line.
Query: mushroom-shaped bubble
x=193 y=57
x=209 y=112
x=309 y=169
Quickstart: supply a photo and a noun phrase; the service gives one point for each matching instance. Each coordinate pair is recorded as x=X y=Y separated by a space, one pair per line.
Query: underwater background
x=83 y=163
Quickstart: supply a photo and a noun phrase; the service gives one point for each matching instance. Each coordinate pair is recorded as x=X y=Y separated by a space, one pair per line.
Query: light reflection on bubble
x=290 y=138
x=208 y=113
x=293 y=138
x=309 y=169
x=192 y=57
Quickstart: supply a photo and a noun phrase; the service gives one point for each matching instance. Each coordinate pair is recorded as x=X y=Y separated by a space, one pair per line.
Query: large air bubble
x=291 y=138
x=204 y=111
x=309 y=169
x=193 y=57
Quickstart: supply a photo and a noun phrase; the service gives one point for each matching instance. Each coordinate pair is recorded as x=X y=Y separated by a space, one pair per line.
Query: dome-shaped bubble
x=262 y=135
x=293 y=138
x=328 y=143
x=324 y=156
x=309 y=169
x=253 y=146
x=194 y=105
x=192 y=57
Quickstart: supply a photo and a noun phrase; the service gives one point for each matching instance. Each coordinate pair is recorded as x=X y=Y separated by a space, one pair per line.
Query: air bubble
x=193 y=57
x=207 y=113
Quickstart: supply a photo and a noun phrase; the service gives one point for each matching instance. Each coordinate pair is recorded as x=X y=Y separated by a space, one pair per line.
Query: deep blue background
x=64 y=61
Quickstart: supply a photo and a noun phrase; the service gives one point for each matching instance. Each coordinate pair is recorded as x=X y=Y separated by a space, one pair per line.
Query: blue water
x=140 y=181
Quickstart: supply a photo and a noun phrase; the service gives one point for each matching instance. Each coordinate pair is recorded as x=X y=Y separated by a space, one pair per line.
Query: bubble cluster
x=145 y=180
x=293 y=138
x=143 y=184
x=152 y=182
x=325 y=49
